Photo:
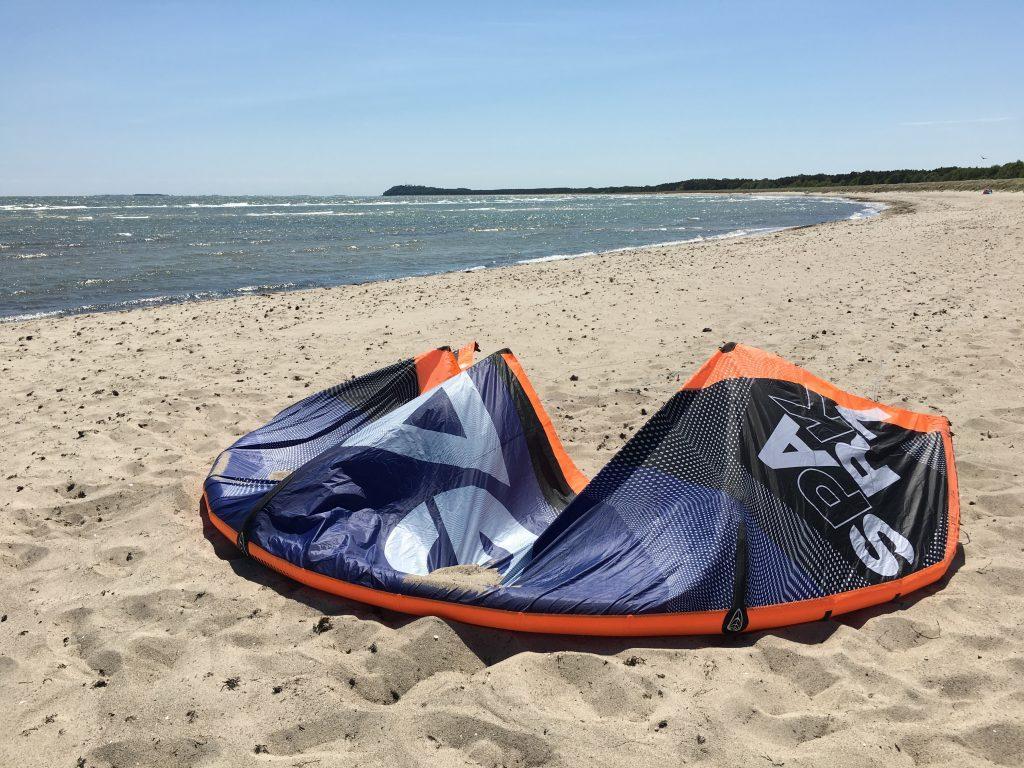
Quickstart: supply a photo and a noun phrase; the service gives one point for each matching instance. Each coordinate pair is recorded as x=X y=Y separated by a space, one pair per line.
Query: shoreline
x=874 y=206
x=114 y=590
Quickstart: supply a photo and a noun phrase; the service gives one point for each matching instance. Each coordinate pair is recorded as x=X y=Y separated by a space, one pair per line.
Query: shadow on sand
x=492 y=646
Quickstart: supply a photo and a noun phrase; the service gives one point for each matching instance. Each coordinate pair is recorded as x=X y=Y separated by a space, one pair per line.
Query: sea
x=66 y=255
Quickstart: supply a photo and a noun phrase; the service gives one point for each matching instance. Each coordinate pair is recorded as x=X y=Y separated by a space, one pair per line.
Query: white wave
x=144 y=302
x=40 y=207
x=131 y=217
x=123 y=234
x=558 y=257
x=29 y=256
x=550 y=208
x=217 y=205
x=309 y=213
x=232 y=204
x=698 y=239
x=247 y=204
x=743 y=233
x=870 y=209
x=83 y=218
x=129 y=303
x=32 y=207
x=29 y=316
x=548 y=198
x=749 y=232
x=418 y=202
x=270 y=287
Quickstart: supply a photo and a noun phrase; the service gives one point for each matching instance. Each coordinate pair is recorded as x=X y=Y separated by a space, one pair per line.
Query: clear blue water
x=87 y=254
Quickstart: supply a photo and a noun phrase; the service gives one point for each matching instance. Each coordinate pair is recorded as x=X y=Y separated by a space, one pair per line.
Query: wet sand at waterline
x=131 y=638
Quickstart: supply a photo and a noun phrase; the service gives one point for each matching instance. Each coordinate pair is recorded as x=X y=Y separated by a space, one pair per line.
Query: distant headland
x=950 y=174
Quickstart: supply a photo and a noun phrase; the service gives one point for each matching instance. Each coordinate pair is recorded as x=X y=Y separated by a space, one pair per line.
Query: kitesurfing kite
x=758 y=496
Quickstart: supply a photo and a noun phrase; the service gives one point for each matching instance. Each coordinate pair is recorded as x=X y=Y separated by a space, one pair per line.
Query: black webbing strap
x=736 y=618
x=243 y=531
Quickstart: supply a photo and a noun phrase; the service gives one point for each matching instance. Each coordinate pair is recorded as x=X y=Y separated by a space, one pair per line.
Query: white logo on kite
x=472 y=442
x=451 y=426
x=468 y=514
x=834 y=498
x=883 y=562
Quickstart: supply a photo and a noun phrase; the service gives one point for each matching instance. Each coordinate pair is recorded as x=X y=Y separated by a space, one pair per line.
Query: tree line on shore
x=951 y=173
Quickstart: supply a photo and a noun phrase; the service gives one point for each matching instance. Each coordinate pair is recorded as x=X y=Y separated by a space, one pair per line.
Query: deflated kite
x=758 y=496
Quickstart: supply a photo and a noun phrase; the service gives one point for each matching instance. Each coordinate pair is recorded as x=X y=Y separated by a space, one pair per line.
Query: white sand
x=123 y=623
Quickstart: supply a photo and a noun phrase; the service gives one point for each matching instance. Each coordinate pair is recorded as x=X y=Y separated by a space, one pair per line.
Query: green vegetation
x=949 y=175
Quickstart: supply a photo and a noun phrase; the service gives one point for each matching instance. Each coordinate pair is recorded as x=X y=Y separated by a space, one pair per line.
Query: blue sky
x=332 y=97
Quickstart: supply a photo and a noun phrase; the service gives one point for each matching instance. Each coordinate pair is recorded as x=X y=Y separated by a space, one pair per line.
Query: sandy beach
x=131 y=636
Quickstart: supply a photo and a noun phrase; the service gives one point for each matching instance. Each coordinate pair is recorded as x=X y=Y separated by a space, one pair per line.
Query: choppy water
x=84 y=254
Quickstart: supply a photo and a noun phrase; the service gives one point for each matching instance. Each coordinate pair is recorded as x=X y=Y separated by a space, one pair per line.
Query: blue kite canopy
x=757 y=496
